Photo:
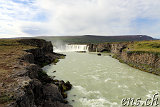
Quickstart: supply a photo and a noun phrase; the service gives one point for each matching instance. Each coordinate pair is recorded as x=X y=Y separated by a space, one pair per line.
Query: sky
x=21 y=18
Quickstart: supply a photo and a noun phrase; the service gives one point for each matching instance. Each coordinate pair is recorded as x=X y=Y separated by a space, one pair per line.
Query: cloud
x=14 y=15
x=70 y=17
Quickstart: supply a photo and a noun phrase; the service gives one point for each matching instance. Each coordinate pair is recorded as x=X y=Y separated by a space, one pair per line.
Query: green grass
x=4 y=99
x=8 y=42
x=56 y=60
x=10 y=52
x=145 y=46
x=62 y=57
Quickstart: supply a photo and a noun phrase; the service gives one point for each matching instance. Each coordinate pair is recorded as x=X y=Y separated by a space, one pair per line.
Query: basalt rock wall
x=145 y=61
x=33 y=87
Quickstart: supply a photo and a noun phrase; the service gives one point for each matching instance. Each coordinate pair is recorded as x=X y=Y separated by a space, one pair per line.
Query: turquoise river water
x=102 y=81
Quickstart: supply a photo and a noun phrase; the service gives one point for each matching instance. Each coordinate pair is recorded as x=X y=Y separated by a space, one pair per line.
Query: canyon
x=148 y=61
x=25 y=84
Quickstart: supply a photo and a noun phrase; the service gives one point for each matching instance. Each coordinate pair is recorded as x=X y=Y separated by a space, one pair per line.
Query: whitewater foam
x=84 y=91
x=107 y=79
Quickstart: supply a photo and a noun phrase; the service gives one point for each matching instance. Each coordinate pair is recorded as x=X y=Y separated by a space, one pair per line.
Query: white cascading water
x=71 y=48
x=76 y=48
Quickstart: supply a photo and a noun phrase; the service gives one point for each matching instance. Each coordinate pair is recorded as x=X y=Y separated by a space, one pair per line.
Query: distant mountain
x=85 y=39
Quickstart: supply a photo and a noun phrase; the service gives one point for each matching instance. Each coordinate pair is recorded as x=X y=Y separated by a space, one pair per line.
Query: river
x=102 y=81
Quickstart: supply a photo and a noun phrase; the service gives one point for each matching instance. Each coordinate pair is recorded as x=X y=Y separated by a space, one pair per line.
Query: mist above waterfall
x=59 y=46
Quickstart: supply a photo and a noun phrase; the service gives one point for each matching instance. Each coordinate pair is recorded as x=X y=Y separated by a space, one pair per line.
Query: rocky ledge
x=31 y=86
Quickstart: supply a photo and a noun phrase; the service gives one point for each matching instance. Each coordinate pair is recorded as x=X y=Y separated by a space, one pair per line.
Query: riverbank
x=23 y=83
x=143 y=55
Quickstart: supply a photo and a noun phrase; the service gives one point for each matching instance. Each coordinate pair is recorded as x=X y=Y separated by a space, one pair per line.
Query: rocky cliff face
x=145 y=61
x=109 y=47
x=149 y=62
x=99 y=47
x=32 y=86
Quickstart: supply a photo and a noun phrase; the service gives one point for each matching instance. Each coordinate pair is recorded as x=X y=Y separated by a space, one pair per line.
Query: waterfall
x=72 y=48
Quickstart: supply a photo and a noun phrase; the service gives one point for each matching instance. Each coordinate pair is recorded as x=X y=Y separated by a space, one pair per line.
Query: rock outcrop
x=99 y=47
x=108 y=47
x=32 y=87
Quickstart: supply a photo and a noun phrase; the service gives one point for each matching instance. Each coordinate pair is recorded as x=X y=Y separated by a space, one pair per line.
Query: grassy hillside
x=10 y=52
x=86 y=39
x=145 y=46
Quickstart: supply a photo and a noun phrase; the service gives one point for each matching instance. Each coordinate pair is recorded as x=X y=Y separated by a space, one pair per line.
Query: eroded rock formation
x=32 y=87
